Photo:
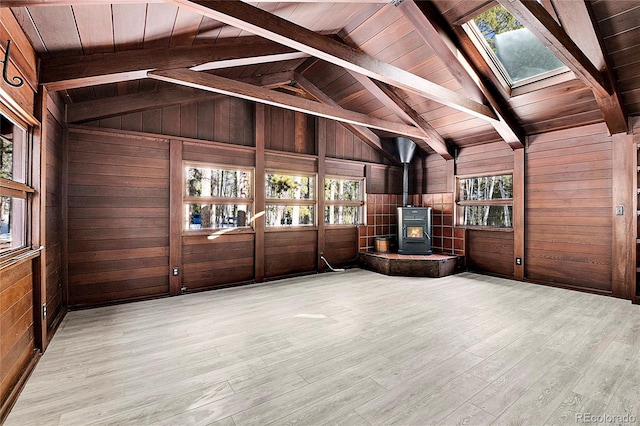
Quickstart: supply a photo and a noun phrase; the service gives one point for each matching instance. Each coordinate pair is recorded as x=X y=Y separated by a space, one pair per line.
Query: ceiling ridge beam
x=225 y=86
x=101 y=68
x=427 y=25
x=257 y=21
x=537 y=19
x=362 y=132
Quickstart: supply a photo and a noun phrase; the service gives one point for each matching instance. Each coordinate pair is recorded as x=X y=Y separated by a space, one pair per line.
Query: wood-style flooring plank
x=352 y=348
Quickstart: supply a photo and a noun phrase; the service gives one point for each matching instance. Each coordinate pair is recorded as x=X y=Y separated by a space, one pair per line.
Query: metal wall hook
x=19 y=82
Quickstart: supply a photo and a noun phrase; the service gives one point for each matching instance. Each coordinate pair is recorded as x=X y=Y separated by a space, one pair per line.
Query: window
x=343 y=201
x=13 y=190
x=512 y=51
x=217 y=197
x=290 y=199
x=486 y=201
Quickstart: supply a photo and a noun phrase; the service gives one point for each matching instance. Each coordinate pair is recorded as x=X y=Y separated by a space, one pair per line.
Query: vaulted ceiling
x=382 y=68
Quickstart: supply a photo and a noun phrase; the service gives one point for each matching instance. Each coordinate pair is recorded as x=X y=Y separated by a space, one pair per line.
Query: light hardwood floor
x=351 y=348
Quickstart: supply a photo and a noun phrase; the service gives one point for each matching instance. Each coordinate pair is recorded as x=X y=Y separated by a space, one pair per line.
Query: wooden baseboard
x=11 y=399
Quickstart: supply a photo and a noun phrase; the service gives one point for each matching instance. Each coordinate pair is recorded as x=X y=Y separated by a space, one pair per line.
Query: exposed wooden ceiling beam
x=363 y=133
x=425 y=19
x=430 y=137
x=536 y=18
x=577 y=19
x=267 y=25
x=88 y=70
x=167 y=95
x=225 y=86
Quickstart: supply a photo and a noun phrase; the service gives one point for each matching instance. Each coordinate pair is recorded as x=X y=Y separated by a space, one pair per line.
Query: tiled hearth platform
x=432 y=265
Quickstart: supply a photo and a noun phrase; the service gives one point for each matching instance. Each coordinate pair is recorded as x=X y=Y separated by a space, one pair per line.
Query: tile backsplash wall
x=382 y=216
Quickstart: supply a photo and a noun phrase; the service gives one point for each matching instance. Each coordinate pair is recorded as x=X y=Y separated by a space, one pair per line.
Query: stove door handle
x=426 y=235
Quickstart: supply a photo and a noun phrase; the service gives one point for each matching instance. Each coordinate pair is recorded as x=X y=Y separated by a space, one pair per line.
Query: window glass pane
x=486 y=188
x=212 y=216
x=342 y=215
x=209 y=182
x=289 y=215
x=495 y=216
x=12 y=151
x=289 y=187
x=513 y=46
x=342 y=189
x=12 y=223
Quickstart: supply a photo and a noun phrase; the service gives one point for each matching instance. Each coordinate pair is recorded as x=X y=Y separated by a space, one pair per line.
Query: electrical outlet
x=518 y=261
x=176 y=271
x=619 y=210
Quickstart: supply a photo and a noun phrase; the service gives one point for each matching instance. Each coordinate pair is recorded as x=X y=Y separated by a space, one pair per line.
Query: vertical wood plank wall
x=54 y=226
x=118 y=210
x=568 y=208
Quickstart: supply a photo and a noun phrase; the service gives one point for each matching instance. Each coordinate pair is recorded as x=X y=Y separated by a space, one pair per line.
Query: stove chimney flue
x=406 y=148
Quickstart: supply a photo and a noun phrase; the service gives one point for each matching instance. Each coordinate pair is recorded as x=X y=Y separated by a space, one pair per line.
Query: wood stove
x=414 y=230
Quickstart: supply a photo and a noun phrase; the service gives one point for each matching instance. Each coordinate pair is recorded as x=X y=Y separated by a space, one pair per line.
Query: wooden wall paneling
x=568 y=195
x=171 y=120
x=346 y=168
x=291 y=162
x=623 y=280
x=321 y=150
x=222 y=128
x=189 y=120
x=383 y=179
x=152 y=121
x=132 y=122
x=118 y=208
x=218 y=153
x=225 y=260
x=176 y=222
x=17 y=345
x=436 y=175
x=490 y=252
x=38 y=220
x=341 y=244
x=519 y=219
x=331 y=136
x=260 y=192
x=483 y=159
x=206 y=120
x=289 y=131
x=281 y=245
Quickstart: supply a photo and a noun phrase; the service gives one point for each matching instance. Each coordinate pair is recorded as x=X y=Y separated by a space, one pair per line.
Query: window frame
x=512 y=89
x=313 y=202
x=20 y=190
x=460 y=204
x=208 y=200
x=346 y=203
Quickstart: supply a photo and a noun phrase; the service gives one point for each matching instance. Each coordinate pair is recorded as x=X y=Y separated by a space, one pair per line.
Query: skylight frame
x=512 y=88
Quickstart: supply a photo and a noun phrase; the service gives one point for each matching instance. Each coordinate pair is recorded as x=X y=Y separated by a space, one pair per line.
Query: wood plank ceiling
x=407 y=63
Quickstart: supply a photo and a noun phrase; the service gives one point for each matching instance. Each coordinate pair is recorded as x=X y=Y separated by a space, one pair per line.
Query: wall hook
x=19 y=82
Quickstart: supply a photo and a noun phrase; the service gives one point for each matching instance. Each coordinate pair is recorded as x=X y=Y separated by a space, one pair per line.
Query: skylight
x=516 y=52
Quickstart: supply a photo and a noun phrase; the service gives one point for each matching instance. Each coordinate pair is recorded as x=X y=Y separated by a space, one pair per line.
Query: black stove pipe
x=406 y=148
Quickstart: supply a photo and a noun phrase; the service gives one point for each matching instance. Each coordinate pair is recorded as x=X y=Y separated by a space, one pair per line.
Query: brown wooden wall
x=16 y=324
x=222 y=119
x=341 y=245
x=568 y=208
x=54 y=219
x=493 y=158
x=290 y=252
x=490 y=251
x=343 y=144
x=118 y=209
